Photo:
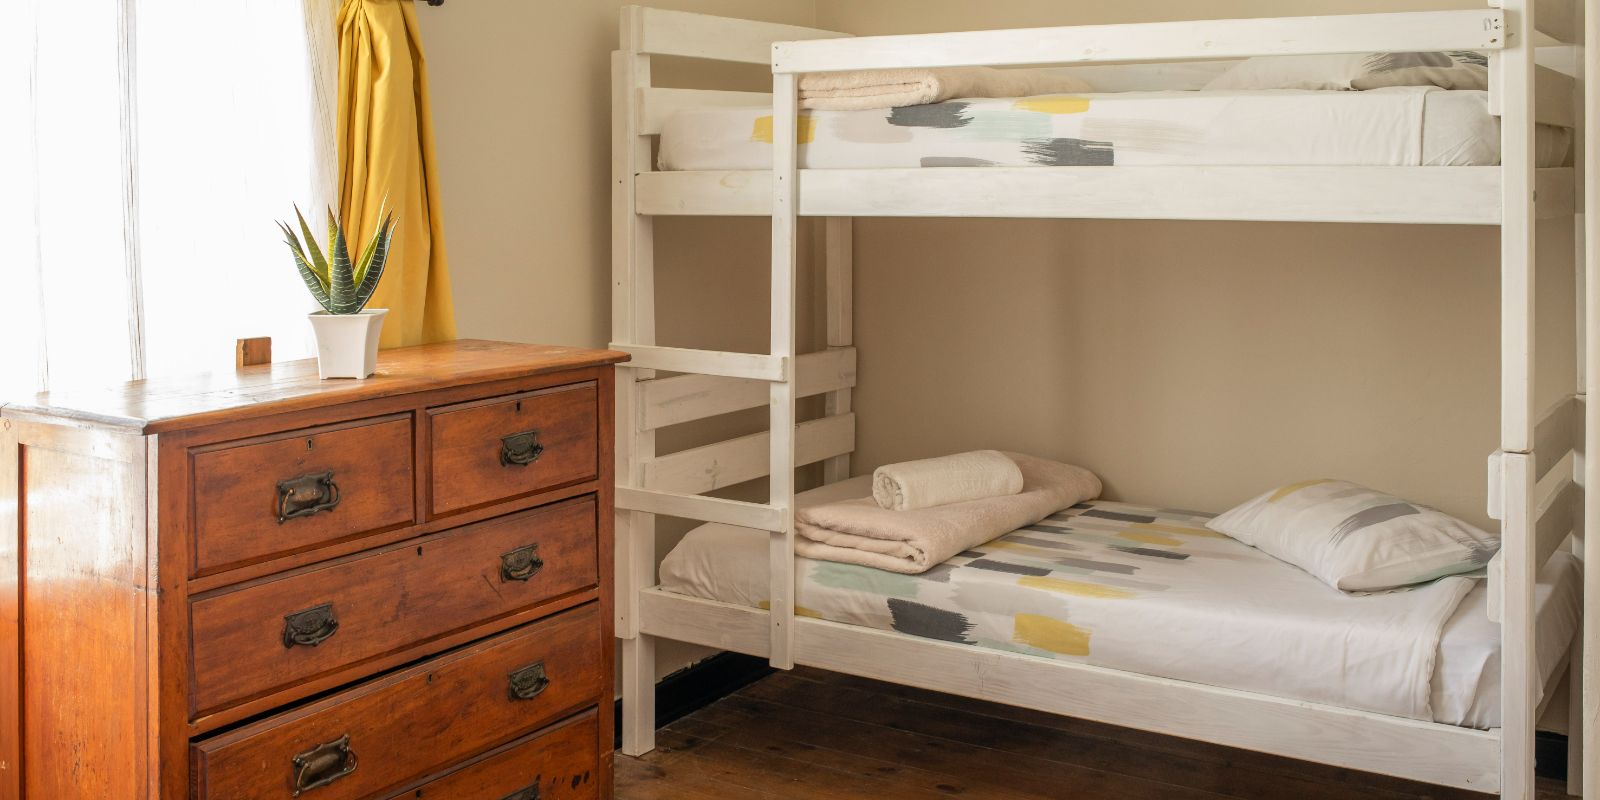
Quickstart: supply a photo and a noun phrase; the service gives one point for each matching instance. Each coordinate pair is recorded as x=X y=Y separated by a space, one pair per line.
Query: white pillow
x=1452 y=70
x=1357 y=539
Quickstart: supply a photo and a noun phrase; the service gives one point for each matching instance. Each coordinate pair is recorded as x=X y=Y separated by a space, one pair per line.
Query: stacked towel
x=892 y=88
x=949 y=479
x=861 y=532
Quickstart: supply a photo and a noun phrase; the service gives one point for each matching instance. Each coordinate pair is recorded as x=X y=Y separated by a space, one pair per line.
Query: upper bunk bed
x=1400 y=155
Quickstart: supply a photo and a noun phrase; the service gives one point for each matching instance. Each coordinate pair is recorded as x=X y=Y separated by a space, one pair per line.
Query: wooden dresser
x=262 y=585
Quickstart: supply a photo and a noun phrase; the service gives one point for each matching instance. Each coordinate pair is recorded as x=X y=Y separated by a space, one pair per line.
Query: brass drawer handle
x=528 y=682
x=520 y=564
x=323 y=764
x=520 y=449
x=310 y=627
x=529 y=792
x=306 y=495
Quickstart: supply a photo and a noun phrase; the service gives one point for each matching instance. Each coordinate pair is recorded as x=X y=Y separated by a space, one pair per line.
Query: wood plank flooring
x=812 y=734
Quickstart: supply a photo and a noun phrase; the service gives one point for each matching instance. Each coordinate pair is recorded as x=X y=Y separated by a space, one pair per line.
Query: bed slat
x=657 y=105
x=671 y=401
x=1553 y=98
x=1559 y=431
x=715 y=466
x=659 y=32
x=1443 y=754
x=1153 y=41
x=754 y=366
x=1557 y=516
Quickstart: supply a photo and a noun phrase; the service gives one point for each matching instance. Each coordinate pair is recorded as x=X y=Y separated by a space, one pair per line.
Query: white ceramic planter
x=347 y=344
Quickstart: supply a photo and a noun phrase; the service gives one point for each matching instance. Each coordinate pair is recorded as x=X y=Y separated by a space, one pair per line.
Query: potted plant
x=346 y=330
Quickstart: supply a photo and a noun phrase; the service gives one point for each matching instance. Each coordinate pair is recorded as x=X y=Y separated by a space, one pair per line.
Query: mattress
x=1398 y=126
x=1194 y=606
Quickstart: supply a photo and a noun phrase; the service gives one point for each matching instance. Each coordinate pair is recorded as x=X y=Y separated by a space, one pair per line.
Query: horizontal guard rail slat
x=1152 y=41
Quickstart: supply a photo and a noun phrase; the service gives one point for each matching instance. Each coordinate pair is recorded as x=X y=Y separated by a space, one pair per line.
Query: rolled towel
x=947 y=479
x=860 y=532
x=892 y=88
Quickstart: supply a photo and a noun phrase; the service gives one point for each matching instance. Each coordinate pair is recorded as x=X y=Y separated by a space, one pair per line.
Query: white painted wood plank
x=1517 y=232
x=1557 y=516
x=1443 y=754
x=657 y=105
x=1518 y=672
x=1557 y=20
x=715 y=466
x=684 y=398
x=784 y=285
x=1558 y=432
x=1418 y=195
x=758 y=516
x=753 y=366
x=1553 y=102
x=680 y=33
x=1590 y=371
x=839 y=266
x=1153 y=41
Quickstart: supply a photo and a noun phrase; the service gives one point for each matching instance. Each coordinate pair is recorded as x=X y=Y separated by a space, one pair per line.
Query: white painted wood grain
x=780 y=478
x=1558 y=432
x=1444 y=754
x=1590 y=370
x=1151 y=41
x=658 y=31
x=685 y=398
x=753 y=366
x=1411 y=195
x=1553 y=99
x=722 y=464
x=839 y=277
x=1518 y=671
x=758 y=516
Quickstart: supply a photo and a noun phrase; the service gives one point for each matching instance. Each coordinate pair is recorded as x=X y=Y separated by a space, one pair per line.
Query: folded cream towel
x=891 y=88
x=860 y=532
x=948 y=479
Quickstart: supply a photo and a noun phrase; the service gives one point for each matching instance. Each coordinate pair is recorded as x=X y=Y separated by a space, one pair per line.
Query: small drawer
x=493 y=450
x=385 y=734
x=274 y=634
x=292 y=491
x=561 y=763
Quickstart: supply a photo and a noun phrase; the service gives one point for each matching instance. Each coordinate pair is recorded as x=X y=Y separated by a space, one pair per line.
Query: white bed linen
x=1399 y=126
x=1460 y=678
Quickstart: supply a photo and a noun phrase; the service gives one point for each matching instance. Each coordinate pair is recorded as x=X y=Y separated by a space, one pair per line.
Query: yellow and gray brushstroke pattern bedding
x=1400 y=126
x=1134 y=588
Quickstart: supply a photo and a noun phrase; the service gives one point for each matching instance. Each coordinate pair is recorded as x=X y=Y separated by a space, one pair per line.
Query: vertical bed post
x=632 y=322
x=1589 y=722
x=839 y=250
x=1514 y=68
x=781 y=473
x=1579 y=731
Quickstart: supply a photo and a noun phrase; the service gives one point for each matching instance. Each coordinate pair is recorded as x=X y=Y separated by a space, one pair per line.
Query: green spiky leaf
x=318 y=264
x=309 y=275
x=341 y=274
x=366 y=254
x=377 y=258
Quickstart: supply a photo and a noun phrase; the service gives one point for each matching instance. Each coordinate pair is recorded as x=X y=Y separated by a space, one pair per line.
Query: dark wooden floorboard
x=813 y=734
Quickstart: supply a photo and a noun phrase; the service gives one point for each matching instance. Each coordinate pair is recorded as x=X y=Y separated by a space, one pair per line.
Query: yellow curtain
x=385 y=143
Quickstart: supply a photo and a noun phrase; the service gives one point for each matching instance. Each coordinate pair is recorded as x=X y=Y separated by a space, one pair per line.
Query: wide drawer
x=292 y=491
x=385 y=734
x=493 y=450
x=561 y=763
x=276 y=633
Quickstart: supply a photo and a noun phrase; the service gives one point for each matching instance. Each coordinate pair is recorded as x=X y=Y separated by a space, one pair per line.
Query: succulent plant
x=340 y=285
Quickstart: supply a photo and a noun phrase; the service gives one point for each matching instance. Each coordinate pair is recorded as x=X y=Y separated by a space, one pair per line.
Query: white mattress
x=1400 y=126
x=1232 y=625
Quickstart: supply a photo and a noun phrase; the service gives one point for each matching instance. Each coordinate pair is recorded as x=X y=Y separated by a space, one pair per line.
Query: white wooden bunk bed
x=1536 y=478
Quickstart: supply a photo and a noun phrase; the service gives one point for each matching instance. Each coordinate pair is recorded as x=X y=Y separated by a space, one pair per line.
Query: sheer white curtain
x=146 y=148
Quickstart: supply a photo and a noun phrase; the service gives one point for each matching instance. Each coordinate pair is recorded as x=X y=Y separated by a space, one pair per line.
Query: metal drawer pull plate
x=528 y=682
x=306 y=495
x=310 y=627
x=520 y=564
x=529 y=792
x=323 y=764
x=520 y=449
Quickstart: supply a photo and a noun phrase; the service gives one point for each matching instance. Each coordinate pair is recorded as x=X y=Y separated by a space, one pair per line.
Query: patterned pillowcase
x=1357 y=539
x=1452 y=70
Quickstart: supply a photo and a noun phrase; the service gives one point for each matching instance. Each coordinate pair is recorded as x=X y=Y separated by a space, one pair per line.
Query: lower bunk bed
x=1119 y=613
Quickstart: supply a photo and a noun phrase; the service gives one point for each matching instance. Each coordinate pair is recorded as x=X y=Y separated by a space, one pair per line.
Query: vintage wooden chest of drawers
x=261 y=585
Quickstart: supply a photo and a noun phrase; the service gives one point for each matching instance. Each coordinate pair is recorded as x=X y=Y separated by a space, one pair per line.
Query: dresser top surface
x=166 y=404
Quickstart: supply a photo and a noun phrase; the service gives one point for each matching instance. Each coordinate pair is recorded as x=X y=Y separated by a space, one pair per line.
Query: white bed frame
x=1536 y=477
